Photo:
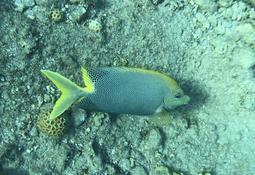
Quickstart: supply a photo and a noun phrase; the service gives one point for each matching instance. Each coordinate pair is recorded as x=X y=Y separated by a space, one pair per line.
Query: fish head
x=175 y=98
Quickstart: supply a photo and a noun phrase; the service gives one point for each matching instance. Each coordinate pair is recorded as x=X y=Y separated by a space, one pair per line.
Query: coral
x=95 y=26
x=161 y=169
x=52 y=128
x=56 y=15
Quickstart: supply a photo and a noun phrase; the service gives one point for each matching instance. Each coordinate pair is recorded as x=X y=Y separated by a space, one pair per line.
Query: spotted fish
x=118 y=90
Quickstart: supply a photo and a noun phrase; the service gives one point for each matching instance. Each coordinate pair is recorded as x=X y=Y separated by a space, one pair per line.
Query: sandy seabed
x=207 y=46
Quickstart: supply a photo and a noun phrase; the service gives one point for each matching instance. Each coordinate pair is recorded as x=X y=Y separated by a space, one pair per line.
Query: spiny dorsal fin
x=89 y=85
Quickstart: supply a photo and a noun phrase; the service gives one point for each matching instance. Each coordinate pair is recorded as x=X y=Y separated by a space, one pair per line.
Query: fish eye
x=178 y=95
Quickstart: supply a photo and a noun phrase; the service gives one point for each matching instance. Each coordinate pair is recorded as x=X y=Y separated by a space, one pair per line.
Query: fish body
x=118 y=90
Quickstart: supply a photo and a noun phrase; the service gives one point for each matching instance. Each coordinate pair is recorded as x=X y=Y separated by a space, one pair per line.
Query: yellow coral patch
x=56 y=15
x=50 y=127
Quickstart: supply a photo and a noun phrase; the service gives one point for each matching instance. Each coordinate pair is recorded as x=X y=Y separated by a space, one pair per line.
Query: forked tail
x=70 y=92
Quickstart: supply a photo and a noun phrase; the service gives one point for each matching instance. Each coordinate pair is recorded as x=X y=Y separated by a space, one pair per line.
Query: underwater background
x=208 y=46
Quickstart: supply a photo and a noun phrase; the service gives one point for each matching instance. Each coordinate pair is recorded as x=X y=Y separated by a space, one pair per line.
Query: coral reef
x=52 y=128
x=56 y=15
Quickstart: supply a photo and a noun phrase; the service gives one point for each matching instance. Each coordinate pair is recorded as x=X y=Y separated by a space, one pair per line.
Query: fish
x=118 y=90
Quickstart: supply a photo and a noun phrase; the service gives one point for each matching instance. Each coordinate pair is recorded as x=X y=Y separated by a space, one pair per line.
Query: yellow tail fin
x=70 y=92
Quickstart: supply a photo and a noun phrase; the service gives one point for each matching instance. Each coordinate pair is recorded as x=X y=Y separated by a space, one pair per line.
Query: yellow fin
x=70 y=92
x=161 y=119
x=87 y=80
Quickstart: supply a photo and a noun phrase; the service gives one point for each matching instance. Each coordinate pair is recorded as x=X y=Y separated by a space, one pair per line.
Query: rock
x=245 y=57
x=204 y=173
x=247 y=101
x=33 y=132
x=153 y=140
x=203 y=21
x=95 y=26
x=4 y=148
x=245 y=32
x=98 y=119
x=110 y=169
x=1 y=109
x=251 y=14
x=5 y=95
x=236 y=12
x=37 y=12
x=220 y=45
x=74 y=1
x=39 y=101
x=162 y=170
x=206 y=4
x=138 y=170
x=2 y=78
x=251 y=2
x=44 y=3
x=156 y=2
x=76 y=12
x=225 y=3
x=67 y=60
x=22 y=4
x=79 y=116
x=30 y=14
x=124 y=164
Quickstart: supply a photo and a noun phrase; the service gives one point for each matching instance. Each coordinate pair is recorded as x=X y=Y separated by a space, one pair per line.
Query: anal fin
x=161 y=119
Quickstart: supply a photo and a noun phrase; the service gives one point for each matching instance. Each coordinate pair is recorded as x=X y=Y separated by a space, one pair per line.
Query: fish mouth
x=182 y=101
